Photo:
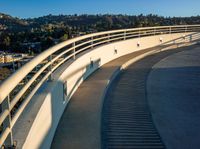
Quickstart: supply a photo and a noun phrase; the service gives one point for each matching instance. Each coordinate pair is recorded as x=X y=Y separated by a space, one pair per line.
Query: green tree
x=64 y=37
x=47 y=42
x=5 y=42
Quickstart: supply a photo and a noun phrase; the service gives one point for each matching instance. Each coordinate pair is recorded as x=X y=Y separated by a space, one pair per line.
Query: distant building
x=8 y=58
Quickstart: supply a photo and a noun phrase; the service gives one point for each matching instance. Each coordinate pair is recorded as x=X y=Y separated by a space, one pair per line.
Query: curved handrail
x=10 y=83
x=11 y=90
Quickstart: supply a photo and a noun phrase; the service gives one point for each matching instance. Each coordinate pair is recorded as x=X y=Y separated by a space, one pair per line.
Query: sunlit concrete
x=80 y=125
x=73 y=74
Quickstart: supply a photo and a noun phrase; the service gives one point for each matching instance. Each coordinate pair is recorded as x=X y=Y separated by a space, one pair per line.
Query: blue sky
x=35 y=8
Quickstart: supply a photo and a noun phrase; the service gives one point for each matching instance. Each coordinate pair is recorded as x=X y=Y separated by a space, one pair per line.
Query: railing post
x=74 y=50
x=154 y=31
x=124 y=35
x=170 y=30
x=7 y=122
x=185 y=29
x=108 y=38
x=138 y=43
x=92 y=38
x=139 y=34
x=50 y=68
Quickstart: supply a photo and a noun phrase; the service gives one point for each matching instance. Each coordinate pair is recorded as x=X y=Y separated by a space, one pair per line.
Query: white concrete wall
x=45 y=124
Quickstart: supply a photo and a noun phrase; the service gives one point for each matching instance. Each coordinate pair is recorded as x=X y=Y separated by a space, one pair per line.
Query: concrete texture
x=80 y=125
x=173 y=91
x=54 y=100
x=127 y=121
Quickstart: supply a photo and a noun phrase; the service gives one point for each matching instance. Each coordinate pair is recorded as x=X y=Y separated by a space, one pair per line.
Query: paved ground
x=80 y=125
x=174 y=96
x=127 y=121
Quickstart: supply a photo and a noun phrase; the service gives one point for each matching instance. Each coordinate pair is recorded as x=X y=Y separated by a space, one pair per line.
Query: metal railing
x=19 y=88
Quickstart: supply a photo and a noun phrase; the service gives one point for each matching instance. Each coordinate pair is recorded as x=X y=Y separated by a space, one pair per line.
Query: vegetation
x=4 y=73
x=34 y=35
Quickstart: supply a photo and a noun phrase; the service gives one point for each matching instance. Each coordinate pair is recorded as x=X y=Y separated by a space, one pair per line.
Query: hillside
x=37 y=34
x=11 y=23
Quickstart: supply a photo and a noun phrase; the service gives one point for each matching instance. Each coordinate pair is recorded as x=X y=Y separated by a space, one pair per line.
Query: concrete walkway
x=80 y=125
x=173 y=90
x=127 y=122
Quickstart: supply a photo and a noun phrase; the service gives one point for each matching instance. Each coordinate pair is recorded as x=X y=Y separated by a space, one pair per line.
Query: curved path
x=130 y=117
x=80 y=124
x=170 y=94
x=173 y=90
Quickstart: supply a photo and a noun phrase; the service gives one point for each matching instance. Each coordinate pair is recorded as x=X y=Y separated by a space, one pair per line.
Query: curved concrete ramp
x=174 y=97
x=80 y=125
x=126 y=120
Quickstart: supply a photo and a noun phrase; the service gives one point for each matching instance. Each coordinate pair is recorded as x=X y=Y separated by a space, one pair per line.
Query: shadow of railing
x=67 y=94
x=88 y=69
x=181 y=41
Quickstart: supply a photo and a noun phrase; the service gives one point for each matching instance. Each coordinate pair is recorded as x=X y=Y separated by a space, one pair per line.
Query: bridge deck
x=80 y=125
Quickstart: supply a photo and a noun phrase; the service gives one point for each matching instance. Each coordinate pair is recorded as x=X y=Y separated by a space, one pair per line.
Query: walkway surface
x=173 y=90
x=80 y=125
x=126 y=119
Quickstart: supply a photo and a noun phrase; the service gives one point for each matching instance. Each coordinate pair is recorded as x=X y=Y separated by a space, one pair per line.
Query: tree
x=5 y=42
x=64 y=37
x=47 y=42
